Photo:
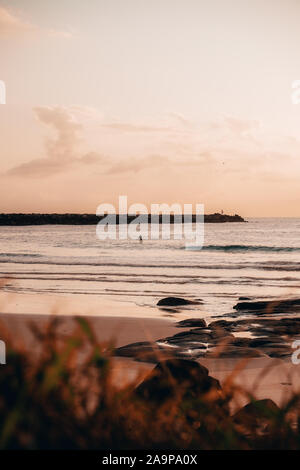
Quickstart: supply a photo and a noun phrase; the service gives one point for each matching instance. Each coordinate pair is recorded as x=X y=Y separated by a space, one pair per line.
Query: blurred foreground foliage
x=63 y=395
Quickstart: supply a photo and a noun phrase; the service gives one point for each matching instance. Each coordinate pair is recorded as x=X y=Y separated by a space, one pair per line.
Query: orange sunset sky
x=162 y=100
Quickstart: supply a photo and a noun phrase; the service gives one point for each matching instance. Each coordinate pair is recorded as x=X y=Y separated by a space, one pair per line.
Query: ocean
x=259 y=259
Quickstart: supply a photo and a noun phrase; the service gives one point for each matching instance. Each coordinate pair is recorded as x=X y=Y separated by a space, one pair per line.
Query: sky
x=164 y=101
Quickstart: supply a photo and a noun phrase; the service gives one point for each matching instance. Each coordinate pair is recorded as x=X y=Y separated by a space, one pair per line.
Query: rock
x=189 y=352
x=221 y=218
x=241 y=342
x=271 y=337
x=170 y=377
x=244 y=298
x=174 y=301
x=230 y=351
x=192 y=345
x=191 y=335
x=279 y=328
x=145 y=351
x=220 y=333
x=169 y=310
x=227 y=325
x=273 y=306
x=277 y=350
x=256 y=415
x=192 y=322
x=261 y=342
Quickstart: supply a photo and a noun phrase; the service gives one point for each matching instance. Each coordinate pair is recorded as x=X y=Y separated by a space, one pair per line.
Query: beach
x=265 y=377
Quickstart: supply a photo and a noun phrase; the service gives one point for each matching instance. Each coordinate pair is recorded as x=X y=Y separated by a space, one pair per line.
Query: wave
x=244 y=248
x=15 y=255
x=285 y=266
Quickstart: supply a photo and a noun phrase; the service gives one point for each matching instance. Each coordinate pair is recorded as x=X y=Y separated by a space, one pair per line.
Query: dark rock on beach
x=174 y=302
x=264 y=342
x=256 y=415
x=270 y=306
x=230 y=351
x=192 y=322
x=277 y=350
x=225 y=324
x=257 y=337
x=189 y=383
x=200 y=335
x=218 y=333
x=144 y=351
x=166 y=378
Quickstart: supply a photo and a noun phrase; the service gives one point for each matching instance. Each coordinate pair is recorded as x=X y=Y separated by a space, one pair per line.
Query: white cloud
x=86 y=138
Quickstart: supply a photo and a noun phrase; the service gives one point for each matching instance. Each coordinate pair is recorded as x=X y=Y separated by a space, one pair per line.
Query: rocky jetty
x=92 y=219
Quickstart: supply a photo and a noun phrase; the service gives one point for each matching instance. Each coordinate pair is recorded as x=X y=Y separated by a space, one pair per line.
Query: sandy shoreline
x=120 y=330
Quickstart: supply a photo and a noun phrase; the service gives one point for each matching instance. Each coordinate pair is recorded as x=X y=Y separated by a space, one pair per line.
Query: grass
x=63 y=395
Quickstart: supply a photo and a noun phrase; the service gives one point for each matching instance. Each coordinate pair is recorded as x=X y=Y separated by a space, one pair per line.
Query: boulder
x=173 y=302
x=219 y=333
x=270 y=306
x=227 y=325
x=234 y=352
x=265 y=341
x=192 y=322
x=277 y=350
x=196 y=334
x=256 y=415
x=145 y=351
x=241 y=342
x=170 y=377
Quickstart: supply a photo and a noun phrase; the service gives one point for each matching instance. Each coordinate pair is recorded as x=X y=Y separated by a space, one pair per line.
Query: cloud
x=134 y=165
x=39 y=167
x=227 y=146
x=62 y=149
x=231 y=161
x=63 y=146
x=240 y=126
x=13 y=23
x=133 y=128
x=180 y=118
x=169 y=122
